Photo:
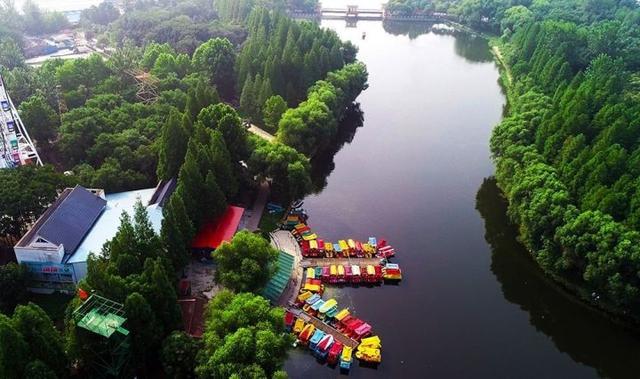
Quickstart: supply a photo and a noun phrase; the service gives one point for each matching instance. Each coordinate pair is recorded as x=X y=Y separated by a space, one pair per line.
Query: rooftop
x=107 y=225
x=213 y=233
x=68 y=219
x=278 y=282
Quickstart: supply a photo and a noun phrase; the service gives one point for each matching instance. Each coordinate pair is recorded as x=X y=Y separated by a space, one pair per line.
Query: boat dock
x=324 y=262
x=346 y=341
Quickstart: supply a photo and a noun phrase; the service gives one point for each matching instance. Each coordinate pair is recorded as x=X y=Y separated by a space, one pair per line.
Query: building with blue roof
x=79 y=222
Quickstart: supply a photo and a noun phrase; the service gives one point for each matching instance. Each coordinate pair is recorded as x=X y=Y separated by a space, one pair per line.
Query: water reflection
x=472 y=47
x=323 y=164
x=411 y=29
x=586 y=336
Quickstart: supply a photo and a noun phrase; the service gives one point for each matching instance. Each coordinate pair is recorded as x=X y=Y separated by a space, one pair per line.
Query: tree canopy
x=246 y=263
x=243 y=338
x=567 y=151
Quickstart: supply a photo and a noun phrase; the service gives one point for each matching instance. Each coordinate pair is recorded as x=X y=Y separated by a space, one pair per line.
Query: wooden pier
x=325 y=262
x=346 y=341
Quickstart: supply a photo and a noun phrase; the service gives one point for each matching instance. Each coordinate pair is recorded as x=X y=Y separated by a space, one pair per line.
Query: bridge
x=352 y=12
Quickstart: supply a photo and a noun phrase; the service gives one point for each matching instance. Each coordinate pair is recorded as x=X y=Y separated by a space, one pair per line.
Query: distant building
x=79 y=222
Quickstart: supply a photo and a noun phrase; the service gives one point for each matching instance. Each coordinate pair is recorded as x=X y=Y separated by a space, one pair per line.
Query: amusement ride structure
x=16 y=147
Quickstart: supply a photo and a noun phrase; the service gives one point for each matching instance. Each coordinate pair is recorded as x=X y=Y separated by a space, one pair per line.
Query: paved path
x=255 y=214
x=322 y=262
x=261 y=133
x=284 y=241
x=324 y=327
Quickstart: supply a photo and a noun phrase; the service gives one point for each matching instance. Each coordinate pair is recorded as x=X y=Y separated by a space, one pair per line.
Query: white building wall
x=39 y=254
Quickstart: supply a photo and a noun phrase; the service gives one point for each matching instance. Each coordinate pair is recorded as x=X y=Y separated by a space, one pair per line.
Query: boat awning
x=355 y=269
x=328 y=246
x=363 y=329
x=340 y=270
x=343 y=245
x=288 y=318
x=313 y=244
x=309 y=237
x=331 y=303
x=370 y=270
x=373 y=341
x=312 y=287
x=313 y=299
x=342 y=314
x=215 y=232
x=351 y=243
x=304 y=296
x=311 y=273
x=333 y=270
x=316 y=306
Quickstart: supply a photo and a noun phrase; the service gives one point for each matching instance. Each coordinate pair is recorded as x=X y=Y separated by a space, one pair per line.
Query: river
x=472 y=303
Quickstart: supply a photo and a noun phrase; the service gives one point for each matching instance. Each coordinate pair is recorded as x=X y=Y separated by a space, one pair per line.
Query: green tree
x=11 y=56
x=179 y=352
x=146 y=334
x=282 y=163
x=173 y=146
x=245 y=264
x=243 y=337
x=217 y=58
x=13 y=281
x=41 y=120
x=38 y=189
x=13 y=350
x=248 y=98
x=177 y=232
x=274 y=108
x=44 y=341
x=37 y=369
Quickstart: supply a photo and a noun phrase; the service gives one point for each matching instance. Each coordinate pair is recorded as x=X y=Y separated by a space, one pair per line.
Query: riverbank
x=574 y=291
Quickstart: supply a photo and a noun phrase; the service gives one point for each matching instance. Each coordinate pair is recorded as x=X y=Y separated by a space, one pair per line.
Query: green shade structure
x=276 y=285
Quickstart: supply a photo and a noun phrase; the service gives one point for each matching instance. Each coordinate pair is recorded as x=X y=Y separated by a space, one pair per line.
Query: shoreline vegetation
x=571 y=291
x=597 y=296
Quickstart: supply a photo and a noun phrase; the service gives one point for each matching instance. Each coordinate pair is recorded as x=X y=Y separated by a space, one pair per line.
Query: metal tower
x=147 y=85
x=107 y=339
x=16 y=147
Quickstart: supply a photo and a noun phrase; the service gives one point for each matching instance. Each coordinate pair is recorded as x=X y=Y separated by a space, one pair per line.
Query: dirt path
x=261 y=133
x=500 y=58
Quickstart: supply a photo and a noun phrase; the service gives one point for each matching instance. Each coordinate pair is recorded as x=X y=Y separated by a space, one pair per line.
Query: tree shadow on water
x=585 y=335
x=323 y=163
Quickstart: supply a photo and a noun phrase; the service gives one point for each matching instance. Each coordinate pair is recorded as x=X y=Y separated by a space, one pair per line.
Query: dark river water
x=472 y=304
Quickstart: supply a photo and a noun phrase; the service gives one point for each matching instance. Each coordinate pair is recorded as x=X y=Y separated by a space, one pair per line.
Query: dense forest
x=89 y=123
x=566 y=154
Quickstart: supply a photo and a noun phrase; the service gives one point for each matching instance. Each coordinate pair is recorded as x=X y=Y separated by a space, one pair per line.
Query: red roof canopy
x=213 y=233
